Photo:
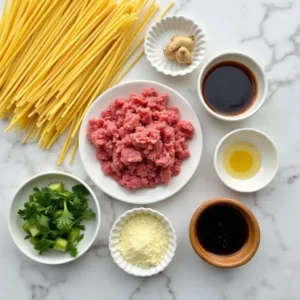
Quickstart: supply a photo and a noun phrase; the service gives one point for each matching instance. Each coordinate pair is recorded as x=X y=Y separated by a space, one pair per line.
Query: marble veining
x=269 y=30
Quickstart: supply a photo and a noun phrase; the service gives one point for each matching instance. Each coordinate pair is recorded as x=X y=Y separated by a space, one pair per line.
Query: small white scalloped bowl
x=115 y=236
x=161 y=33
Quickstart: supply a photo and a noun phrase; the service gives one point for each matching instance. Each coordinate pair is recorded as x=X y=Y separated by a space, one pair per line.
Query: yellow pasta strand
x=57 y=56
x=74 y=151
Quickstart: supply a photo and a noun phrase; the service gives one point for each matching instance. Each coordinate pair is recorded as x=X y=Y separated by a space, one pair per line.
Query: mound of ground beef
x=140 y=142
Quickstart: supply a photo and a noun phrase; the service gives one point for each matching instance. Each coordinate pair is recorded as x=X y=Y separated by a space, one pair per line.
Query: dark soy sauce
x=222 y=230
x=229 y=88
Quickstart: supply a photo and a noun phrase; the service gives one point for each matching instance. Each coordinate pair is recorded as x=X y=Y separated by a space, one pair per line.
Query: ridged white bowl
x=161 y=33
x=115 y=237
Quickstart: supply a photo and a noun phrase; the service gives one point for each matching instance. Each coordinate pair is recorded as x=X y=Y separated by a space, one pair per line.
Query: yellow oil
x=242 y=160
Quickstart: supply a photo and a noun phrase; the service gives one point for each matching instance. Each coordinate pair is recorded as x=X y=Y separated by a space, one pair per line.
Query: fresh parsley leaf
x=66 y=219
x=45 y=196
x=75 y=204
x=81 y=227
x=30 y=210
x=48 y=210
x=43 y=221
x=43 y=225
x=42 y=196
x=80 y=190
x=54 y=233
x=28 y=236
x=72 y=250
x=54 y=195
x=66 y=195
x=80 y=238
x=43 y=245
x=88 y=214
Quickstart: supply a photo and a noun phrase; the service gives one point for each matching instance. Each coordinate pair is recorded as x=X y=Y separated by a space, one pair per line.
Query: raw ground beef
x=140 y=142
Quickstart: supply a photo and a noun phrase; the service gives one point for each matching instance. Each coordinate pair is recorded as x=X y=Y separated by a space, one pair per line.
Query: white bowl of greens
x=54 y=218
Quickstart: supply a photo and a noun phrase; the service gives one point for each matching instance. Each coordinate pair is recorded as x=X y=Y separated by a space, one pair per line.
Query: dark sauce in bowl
x=222 y=229
x=229 y=88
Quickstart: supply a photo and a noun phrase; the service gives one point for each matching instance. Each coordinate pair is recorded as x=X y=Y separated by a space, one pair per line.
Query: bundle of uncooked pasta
x=57 y=56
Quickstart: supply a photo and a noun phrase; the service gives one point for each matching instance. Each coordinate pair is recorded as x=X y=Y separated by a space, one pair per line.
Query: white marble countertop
x=270 y=31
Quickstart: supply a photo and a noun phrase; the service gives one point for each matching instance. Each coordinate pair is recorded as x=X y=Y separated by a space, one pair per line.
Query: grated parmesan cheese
x=143 y=241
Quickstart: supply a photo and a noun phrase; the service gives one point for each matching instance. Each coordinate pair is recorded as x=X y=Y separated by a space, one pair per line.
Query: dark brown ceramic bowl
x=244 y=254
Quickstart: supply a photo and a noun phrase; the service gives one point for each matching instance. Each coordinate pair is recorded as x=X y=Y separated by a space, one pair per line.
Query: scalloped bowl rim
x=139 y=271
x=189 y=68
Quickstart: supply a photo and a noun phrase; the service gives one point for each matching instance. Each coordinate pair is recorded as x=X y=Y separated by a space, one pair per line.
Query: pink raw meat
x=140 y=142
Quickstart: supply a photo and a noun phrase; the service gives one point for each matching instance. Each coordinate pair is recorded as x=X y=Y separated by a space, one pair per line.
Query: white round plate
x=15 y=222
x=161 y=33
x=115 y=237
x=269 y=160
x=110 y=186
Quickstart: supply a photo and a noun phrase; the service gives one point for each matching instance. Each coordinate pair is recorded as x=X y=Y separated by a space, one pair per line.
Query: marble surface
x=270 y=31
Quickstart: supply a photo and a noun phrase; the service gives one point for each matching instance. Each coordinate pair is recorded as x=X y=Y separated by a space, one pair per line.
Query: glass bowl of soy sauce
x=224 y=233
x=232 y=86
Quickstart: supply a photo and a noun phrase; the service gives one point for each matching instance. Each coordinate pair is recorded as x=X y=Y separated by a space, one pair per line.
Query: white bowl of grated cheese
x=142 y=242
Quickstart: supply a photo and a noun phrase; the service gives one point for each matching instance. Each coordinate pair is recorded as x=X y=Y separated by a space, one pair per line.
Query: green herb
x=30 y=211
x=81 y=227
x=80 y=190
x=53 y=217
x=65 y=220
x=43 y=245
x=80 y=238
x=28 y=236
x=72 y=250
x=88 y=214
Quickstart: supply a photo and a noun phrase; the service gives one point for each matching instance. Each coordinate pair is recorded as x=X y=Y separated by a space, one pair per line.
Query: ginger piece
x=180 y=49
x=183 y=56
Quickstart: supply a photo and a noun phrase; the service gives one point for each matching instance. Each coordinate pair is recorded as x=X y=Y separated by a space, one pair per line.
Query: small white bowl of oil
x=246 y=160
